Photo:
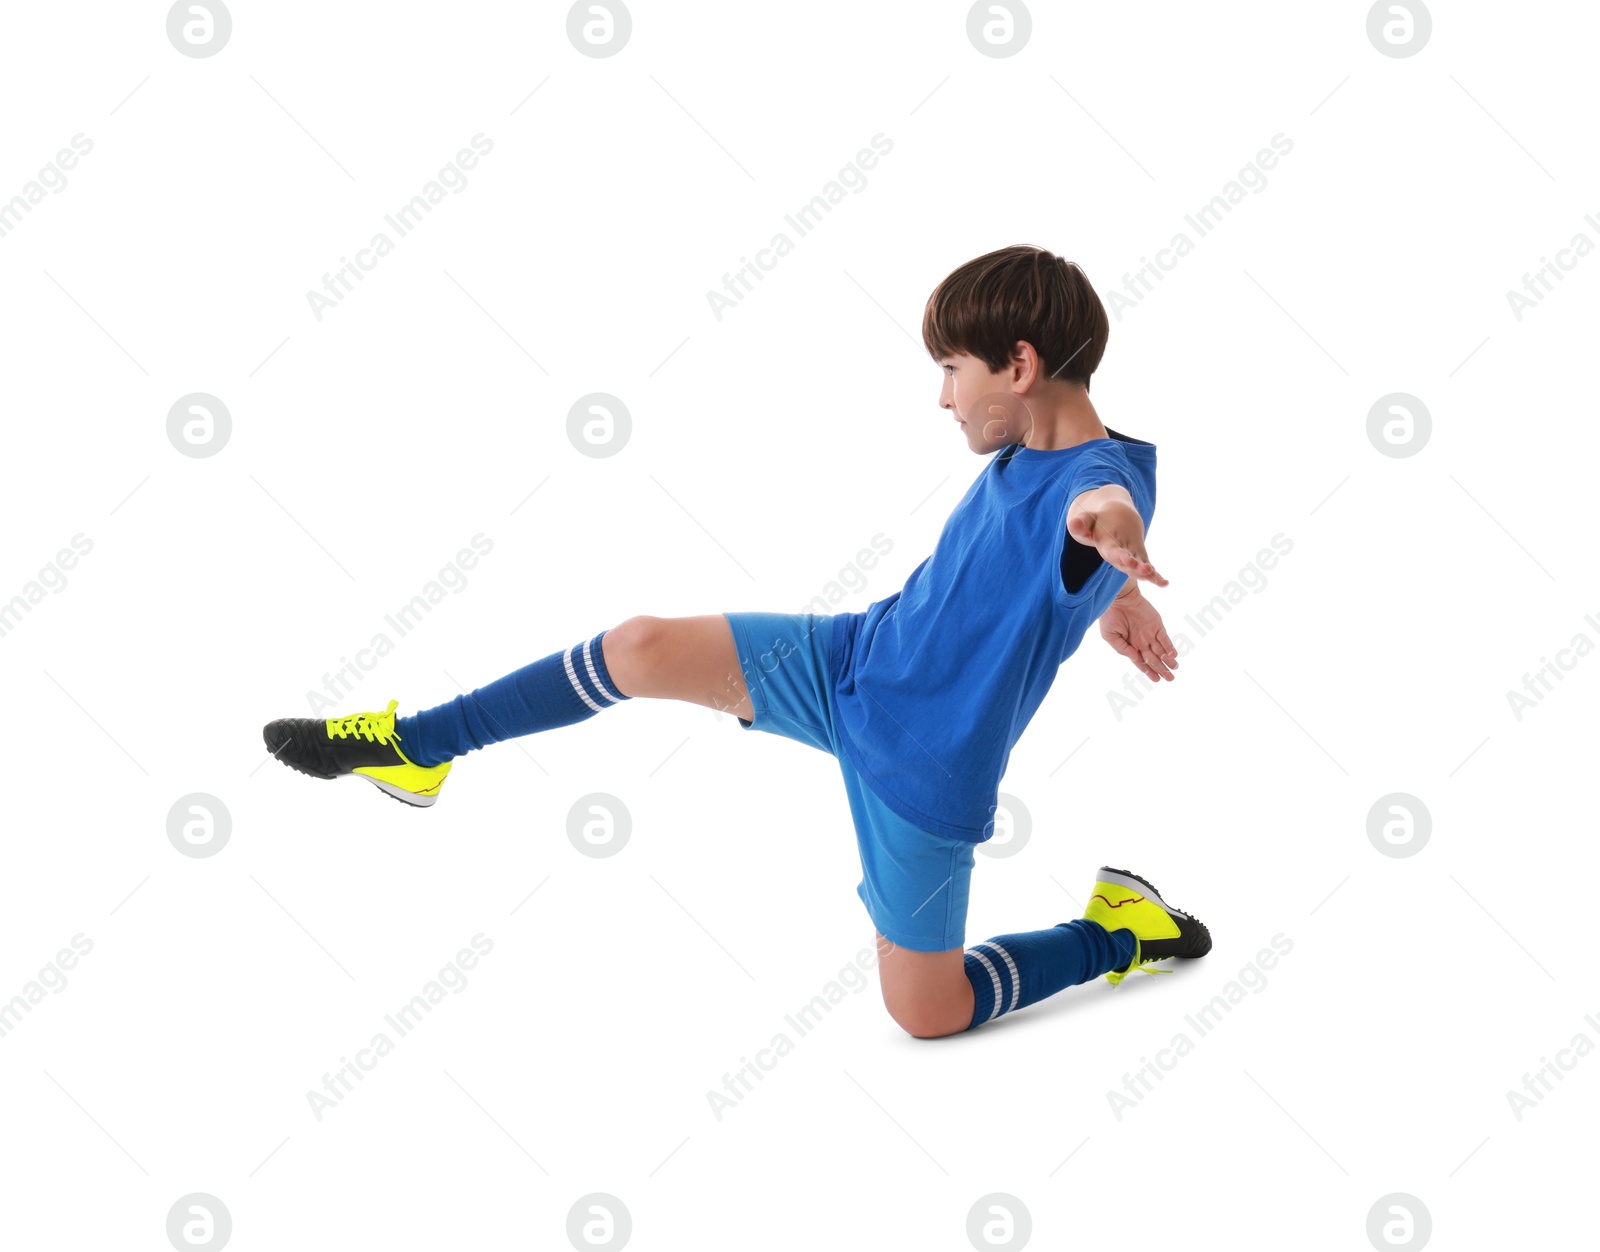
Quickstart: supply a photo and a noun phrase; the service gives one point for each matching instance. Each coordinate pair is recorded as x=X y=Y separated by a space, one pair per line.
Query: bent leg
x=943 y=993
x=927 y=993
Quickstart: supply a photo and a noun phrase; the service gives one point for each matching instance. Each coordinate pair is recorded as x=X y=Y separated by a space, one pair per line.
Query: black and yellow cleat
x=1124 y=901
x=360 y=743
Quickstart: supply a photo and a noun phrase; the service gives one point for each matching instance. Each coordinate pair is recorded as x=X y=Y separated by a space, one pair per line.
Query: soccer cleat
x=360 y=743
x=1124 y=901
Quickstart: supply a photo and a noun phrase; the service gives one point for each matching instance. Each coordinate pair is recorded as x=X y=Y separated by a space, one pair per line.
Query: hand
x=1133 y=627
x=1117 y=531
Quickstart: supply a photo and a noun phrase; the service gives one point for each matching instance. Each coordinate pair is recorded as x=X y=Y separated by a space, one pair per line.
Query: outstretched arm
x=1132 y=626
x=1105 y=518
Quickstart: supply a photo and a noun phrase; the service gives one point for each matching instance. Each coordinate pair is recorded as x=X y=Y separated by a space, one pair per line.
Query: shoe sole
x=415 y=799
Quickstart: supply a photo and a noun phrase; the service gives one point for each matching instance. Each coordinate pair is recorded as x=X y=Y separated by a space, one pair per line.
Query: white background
x=768 y=447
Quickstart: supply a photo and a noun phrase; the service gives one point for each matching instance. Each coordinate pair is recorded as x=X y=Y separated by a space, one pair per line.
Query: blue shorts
x=913 y=883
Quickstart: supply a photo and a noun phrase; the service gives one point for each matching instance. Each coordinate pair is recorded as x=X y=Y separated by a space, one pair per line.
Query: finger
x=1140 y=560
x=1168 y=653
x=1139 y=664
x=1122 y=645
x=1136 y=655
x=1148 y=571
x=1150 y=652
x=1156 y=664
x=1133 y=654
x=1122 y=559
x=1142 y=570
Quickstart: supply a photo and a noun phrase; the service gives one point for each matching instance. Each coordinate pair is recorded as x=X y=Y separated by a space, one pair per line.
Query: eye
x=951 y=368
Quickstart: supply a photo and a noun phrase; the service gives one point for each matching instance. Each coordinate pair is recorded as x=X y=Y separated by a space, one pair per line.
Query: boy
x=921 y=696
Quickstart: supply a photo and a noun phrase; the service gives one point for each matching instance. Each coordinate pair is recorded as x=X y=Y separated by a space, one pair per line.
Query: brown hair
x=984 y=307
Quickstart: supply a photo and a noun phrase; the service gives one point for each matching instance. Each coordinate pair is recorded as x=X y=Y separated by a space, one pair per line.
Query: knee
x=627 y=648
x=929 y=1017
x=927 y=993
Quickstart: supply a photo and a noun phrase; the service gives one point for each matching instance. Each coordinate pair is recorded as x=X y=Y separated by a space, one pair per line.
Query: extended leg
x=409 y=758
x=670 y=658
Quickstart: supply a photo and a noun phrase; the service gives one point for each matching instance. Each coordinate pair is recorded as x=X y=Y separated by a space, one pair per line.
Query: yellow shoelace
x=372 y=726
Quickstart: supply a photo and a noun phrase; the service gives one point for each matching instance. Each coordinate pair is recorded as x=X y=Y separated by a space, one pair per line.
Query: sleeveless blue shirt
x=936 y=683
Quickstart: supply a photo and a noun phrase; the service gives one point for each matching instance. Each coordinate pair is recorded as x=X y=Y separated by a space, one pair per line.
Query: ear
x=1025 y=362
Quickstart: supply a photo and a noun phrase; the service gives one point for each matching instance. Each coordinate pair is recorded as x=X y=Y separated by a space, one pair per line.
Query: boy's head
x=980 y=317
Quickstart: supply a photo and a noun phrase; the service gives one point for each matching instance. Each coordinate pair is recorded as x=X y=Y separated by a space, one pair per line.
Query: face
x=983 y=402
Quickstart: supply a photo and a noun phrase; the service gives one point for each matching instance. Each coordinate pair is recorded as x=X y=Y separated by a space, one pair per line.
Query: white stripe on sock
x=1016 y=982
x=994 y=976
x=598 y=685
x=572 y=677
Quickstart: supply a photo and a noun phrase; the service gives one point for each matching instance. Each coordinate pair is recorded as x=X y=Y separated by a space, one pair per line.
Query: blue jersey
x=936 y=683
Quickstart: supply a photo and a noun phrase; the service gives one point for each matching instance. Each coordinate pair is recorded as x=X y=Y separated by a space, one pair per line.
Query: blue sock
x=1012 y=971
x=563 y=688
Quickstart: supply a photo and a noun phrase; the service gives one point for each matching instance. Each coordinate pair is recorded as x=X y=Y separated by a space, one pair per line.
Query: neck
x=1063 y=422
